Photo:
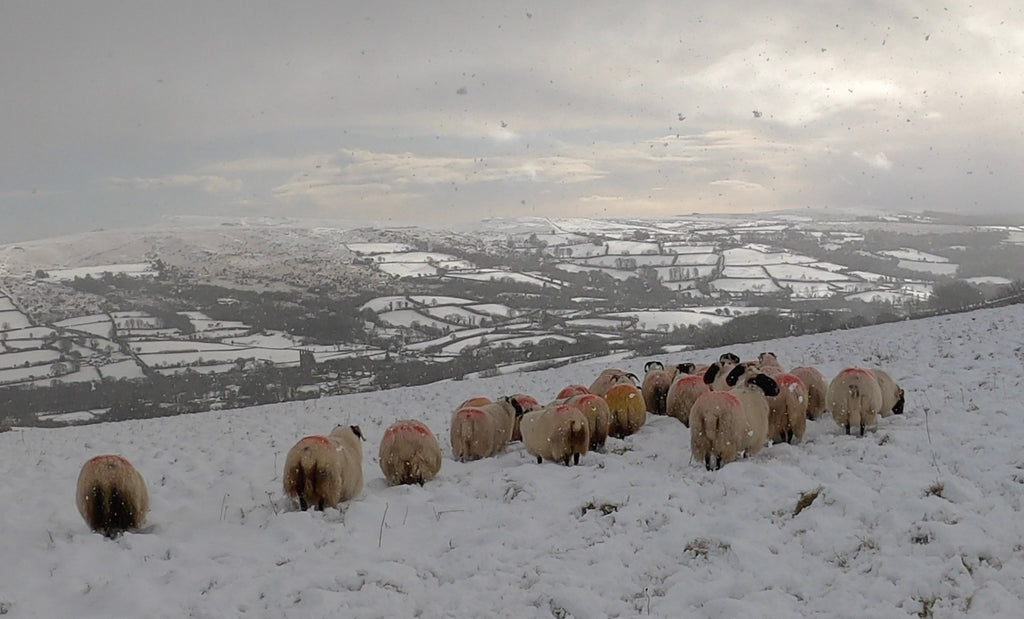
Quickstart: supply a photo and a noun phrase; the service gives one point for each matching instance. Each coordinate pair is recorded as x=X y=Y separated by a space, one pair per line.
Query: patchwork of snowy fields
x=921 y=517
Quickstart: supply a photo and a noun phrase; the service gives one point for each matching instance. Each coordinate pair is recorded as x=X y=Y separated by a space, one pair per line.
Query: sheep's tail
x=109 y=510
x=308 y=478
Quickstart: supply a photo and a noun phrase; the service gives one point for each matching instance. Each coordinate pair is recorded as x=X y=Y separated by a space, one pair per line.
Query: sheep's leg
x=539 y=459
x=718 y=463
x=576 y=458
x=707 y=462
x=862 y=430
x=303 y=505
x=847 y=426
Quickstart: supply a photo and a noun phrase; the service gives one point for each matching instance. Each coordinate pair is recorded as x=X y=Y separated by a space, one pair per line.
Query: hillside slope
x=919 y=518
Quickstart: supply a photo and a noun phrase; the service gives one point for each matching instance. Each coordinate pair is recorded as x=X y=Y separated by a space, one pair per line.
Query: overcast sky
x=119 y=113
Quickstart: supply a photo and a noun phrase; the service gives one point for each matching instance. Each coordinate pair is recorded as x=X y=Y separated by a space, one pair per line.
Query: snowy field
x=920 y=518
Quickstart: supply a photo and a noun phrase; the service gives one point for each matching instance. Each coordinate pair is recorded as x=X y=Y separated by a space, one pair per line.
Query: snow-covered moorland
x=919 y=518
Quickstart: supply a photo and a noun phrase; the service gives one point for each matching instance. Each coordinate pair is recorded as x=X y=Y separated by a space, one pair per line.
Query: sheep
x=769 y=364
x=682 y=394
x=111 y=495
x=892 y=394
x=854 y=398
x=475 y=401
x=483 y=431
x=558 y=433
x=611 y=377
x=787 y=411
x=323 y=471
x=657 y=381
x=817 y=388
x=725 y=423
x=598 y=415
x=570 y=391
x=527 y=403
x=409 y=453
x=628 y=413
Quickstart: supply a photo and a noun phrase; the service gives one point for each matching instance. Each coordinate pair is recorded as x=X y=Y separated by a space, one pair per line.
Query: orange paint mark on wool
x=318 y=440
x=406 y=427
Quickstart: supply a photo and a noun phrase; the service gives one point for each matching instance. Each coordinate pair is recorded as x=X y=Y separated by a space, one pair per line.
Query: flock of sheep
x=732 y=408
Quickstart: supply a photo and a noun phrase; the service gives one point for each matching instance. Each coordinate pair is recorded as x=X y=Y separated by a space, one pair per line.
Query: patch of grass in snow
x=935 y=490
x=604 y=508
x=806 y=498
x=703 y=547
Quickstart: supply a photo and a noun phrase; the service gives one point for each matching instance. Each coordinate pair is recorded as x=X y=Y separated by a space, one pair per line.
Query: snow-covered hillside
x=919 y=518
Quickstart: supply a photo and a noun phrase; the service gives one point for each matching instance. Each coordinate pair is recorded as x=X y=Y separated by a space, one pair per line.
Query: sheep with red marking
x=111 y=495
x=724 y=424
x=526 y=404
x=323 y=471
x=598 y=414
x=854 y=399
x=482 y=431
x=409 y=453
x=628 y=411
x=657 y=381
x=893 y=399
x=571 y=390
x=817 y=389
x=787 y=411
x=682 y=394
x=611 y=377
x=558 y=433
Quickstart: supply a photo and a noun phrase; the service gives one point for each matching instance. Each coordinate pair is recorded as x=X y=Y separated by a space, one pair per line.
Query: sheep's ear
x=734 y=375
x=766 y=384
x=357 y=432
x=653 y=365
x=898 y=408
x=711 y=373
x=686 y=368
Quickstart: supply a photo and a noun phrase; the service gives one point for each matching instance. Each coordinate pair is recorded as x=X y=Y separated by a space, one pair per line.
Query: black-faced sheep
x=599 y=416
x=787 y=411
x=409 y=453
x=854 y=399
x=724 y=424
x=682 y=394
x=892 y=394
x=323 y=471
x=817 y=389
x=526 y=404
x=559 y=433
x=111 y=495
x=628 y=412
x=611 y=377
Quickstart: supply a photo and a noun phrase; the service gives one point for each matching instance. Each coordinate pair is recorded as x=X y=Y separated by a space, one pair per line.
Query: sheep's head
x=514 y=403
x=357 y=432
x=728 y=357
x=653 y=365
x=751 y=376
x=686 y=368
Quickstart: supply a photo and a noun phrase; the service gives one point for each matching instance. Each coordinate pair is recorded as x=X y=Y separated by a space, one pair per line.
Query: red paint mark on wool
x=406 y=427
x=570 y=391
x=471 y=412
x=787 y=380
x=858 y=372
x=317 y=439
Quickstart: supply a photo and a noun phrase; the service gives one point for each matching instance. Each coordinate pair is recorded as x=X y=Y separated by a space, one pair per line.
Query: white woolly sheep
x=526 y=404
x=787 y=411
x=409 y=453
x=682 y=394
x=724 y=424
x=111 y=495
x=558 y=433
x=628 y=412
x=599 y=417
x=323 y=471
x=892 y=394
x=482 y=431
x=854 y=399
x=657 y=381
x=817 y=389
x=611 y=377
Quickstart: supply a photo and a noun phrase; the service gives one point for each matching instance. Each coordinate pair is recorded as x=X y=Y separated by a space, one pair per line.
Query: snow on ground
x=921 y=517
